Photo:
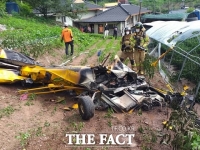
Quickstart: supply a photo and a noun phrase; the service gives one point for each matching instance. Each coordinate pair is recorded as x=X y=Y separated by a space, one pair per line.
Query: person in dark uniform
x=115 y=32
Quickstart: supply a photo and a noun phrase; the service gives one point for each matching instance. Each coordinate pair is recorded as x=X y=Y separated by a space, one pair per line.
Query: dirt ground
x=41 y=122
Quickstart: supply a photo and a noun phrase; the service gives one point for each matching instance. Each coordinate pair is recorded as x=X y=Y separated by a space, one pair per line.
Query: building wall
x=65 y=19
x=87 y=14
x=95 y=28
x=135 y=19
x=129 y=22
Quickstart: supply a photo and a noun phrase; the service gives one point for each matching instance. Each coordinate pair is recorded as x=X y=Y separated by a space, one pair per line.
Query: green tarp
x=170 y=16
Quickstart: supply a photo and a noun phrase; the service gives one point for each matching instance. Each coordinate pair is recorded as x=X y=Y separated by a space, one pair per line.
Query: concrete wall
x=65 y=19
x=87 y=14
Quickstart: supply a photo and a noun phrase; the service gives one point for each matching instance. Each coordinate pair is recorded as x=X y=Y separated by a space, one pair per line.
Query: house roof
x=116 y=13
x=87 y=5
x=91 y=6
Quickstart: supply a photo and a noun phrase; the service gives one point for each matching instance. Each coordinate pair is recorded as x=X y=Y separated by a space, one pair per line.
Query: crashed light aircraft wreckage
x=98 y=87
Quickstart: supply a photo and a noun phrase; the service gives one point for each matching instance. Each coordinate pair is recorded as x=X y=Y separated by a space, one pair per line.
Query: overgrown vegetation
x=148 y=136
x=149 y=69
x=180 y=63
x=33 y=38
x=184 y=60
x=109 y=116
x=183 y=130
x=163 y=6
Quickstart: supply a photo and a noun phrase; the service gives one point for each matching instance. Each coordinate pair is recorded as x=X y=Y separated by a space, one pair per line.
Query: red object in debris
x=24 y=97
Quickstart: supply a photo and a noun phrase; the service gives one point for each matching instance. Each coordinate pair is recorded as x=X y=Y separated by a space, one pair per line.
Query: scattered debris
x=60 y=99
x=99 y=87
x=24 y=97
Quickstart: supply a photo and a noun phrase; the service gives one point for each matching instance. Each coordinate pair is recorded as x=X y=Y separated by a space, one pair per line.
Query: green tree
x=70 y=9
x=2 y=7
x=25 y=8
x=44 y=6
x=63 y=7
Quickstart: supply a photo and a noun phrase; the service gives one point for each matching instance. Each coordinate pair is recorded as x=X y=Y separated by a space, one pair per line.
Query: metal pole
x=168 y=5
x=139 y=11
x=171 y=59
x=185 y=60
x=197 y=90
x=162 y=73
x=159 y=51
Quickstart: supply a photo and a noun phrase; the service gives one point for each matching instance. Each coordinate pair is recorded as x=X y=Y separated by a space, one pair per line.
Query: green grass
x=23 y=137
x=7 y=111
x=34 y=38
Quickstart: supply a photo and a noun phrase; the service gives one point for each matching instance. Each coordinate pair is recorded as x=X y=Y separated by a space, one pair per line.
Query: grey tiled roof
x=116 y=13
x=88 y=5
x=134 y=9
x=92 y=6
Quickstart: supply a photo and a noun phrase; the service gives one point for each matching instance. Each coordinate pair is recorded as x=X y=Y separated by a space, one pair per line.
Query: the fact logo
x=103 y=139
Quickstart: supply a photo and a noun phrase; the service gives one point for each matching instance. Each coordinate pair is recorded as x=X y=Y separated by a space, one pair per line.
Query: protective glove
x=61 y=40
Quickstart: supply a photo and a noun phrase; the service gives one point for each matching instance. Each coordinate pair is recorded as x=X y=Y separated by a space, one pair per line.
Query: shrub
x=25 y=9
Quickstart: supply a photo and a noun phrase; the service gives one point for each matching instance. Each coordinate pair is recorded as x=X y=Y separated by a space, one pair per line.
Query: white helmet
x=66 y=24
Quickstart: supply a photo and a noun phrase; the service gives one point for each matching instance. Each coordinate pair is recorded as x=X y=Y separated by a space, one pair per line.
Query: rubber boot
x=142 y=70
x=133 y=65
x=137 y=70
x=121 y=59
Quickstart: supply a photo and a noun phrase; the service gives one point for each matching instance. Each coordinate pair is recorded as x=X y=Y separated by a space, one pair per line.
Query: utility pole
x=139 y=10
x=183 y=2
x=168 y=6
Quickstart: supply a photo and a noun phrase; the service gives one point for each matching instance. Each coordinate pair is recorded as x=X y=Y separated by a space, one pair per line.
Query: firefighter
x=140 y=40
x=127 y=47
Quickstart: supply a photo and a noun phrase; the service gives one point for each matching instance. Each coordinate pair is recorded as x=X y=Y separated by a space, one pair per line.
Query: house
x=92 y=10
x=122 y=15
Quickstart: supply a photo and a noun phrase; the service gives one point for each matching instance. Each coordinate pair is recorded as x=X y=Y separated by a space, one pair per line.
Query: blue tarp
x=12 y=6
x=197 y=13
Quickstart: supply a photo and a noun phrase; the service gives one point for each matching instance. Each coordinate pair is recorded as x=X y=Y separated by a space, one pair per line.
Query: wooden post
x=139 y=11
